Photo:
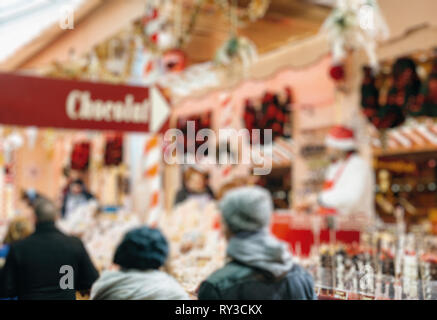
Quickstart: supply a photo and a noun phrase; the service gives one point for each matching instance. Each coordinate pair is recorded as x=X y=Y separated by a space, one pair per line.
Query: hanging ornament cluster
x=11 y=143
x=138 y=54
x=257 y=9
x=114 y=149
x=80 y=156
x=153 y=45
x=354 y=24
x=399 y=93
x=271 y=111
x=157 y=27
x=236 y=49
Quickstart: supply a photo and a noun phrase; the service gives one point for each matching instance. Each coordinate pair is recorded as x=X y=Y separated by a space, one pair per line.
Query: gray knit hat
x=247 y=209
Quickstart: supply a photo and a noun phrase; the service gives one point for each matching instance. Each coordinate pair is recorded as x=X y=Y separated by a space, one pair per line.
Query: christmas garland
x=406 y=95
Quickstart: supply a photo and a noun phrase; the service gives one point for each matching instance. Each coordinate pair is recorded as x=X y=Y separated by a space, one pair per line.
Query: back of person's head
x=45 y=210
x=142 y=249
x=246 y=209
x=18 y=229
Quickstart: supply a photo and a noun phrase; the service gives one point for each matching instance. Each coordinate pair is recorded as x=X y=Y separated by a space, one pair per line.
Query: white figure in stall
x=348 y=189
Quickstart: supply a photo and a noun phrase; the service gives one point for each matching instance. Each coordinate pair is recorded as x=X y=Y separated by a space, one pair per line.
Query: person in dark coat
x=19 y=228
x=47 y=265
x=261 y=267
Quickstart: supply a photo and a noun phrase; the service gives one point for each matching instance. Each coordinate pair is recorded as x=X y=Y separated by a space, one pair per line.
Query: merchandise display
x=101 y=232
x=383 y=265
x=197 y=247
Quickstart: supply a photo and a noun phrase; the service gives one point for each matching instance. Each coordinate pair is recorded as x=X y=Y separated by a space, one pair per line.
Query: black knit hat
x=142 y=248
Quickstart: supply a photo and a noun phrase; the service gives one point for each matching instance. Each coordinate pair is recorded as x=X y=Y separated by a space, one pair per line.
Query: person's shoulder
x=230 y=274
x=297 y=269
x=75 y=240
x=70 y=239
x=299 y=273
x=23 y=243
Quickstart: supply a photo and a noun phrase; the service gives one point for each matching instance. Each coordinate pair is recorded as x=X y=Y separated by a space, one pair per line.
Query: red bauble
x=154 y=38
x=80 y=156
x=271 y=111
x=337 y=73
x=175 y=60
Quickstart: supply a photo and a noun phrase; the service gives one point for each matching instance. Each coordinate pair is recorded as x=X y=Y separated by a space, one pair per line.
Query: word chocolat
x=80 y=106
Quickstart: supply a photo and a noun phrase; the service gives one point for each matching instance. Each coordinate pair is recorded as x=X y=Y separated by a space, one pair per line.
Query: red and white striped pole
x=152 y=174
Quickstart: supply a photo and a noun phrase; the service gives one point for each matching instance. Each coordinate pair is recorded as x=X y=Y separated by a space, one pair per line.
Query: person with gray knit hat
x=247 y=209
x=261 y=266
x=140 y=255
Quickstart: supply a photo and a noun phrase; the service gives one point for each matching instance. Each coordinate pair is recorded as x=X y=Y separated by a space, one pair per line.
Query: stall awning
x=407 y=139
x=282 y=153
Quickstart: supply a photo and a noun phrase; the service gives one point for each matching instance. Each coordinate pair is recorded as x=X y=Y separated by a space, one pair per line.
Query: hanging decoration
x=255 y=10
x=156 y=26
x=398 y=93
x=146 y=68
x=184 y=37
x=80 y=156
x=154 y=45
x=355 y=24
x=272 y=112
x=337 y=72
x=236 y=48
x=48 y=141
x=31 y=134
x=174 y=60
x=114 y=149
x=11 y=143
x=117 y=56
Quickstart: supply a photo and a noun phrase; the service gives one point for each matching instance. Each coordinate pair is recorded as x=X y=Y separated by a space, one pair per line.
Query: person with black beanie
x=139 y=255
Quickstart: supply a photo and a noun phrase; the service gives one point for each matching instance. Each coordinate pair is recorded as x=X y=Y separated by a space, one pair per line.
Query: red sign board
x=46 y=102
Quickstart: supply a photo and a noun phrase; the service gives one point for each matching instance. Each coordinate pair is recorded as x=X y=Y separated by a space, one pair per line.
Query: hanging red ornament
x=154 y=37
x=114 y=149
x=154 y=14
x=174 y=60
x=337 y=72
x=80 y=156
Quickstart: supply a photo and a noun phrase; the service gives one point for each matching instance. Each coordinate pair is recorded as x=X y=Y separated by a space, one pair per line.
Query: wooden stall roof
x=96 y=20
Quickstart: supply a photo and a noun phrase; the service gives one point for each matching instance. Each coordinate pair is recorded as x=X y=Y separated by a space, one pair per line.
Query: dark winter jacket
x=236 y=281
x=33 y=266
